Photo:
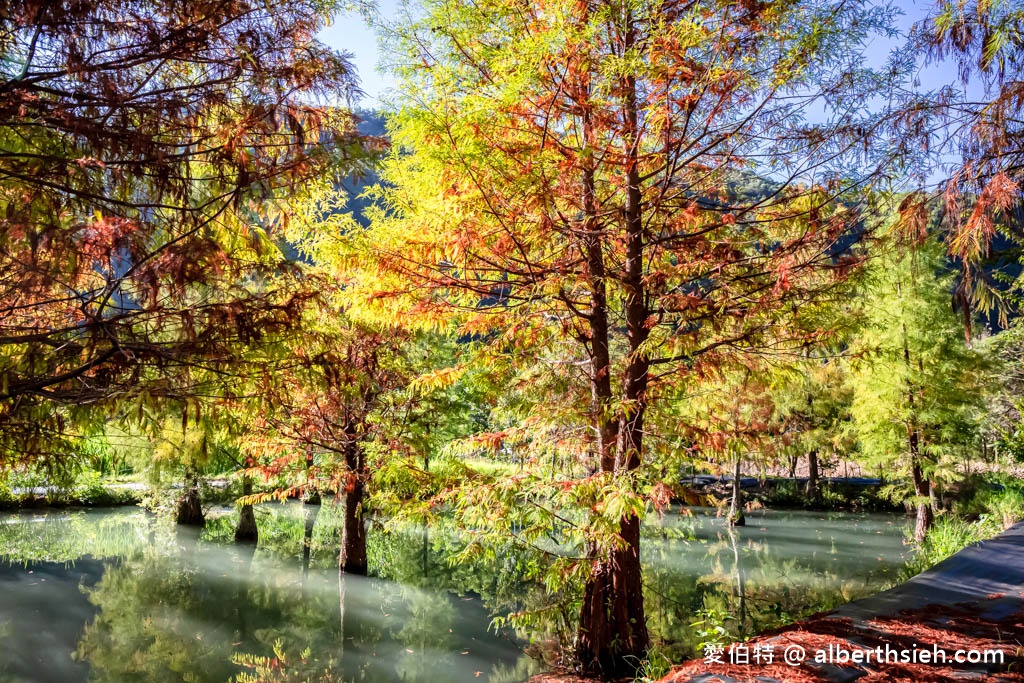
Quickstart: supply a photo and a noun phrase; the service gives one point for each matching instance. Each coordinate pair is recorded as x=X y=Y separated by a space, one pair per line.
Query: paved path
x=972 y=601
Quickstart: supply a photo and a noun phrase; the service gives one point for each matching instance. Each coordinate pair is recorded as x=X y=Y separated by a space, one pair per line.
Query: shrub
x=1001 y=498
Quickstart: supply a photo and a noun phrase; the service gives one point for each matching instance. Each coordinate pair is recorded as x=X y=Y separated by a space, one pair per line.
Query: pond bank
x=973 y=600
x=100 y=493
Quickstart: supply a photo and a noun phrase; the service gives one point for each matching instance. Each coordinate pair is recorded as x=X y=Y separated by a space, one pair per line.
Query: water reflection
x=703 y=576
x=185 y=609
x=118 y=596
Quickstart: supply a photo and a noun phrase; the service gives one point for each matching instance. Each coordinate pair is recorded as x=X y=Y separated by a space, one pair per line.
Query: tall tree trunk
x=613 y=630
x=352 y=559
x=736 y=516
x=246 y=531
x=925 y=515
x=426 y=527
x=598 y=346
x=309 y=515
x=190 y=507
x=813 y=492
x=922 y=491
x=613 y=635
x=312 y=493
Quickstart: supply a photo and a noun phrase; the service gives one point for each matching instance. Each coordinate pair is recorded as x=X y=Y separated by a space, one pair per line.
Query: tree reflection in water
x=186 y=608
x=166 y=604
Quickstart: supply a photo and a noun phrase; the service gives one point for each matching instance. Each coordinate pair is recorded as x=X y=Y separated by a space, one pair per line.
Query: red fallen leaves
x=950 y=628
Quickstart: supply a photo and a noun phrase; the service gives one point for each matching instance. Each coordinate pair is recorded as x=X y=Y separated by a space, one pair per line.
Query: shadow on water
x=118 y=596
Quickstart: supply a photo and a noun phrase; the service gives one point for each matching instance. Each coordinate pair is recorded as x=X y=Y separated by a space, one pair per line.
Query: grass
x=653 y=667
x=88 y=488
x=949 y=535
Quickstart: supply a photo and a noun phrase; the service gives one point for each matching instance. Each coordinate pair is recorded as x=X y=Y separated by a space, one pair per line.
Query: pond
x=118 y=595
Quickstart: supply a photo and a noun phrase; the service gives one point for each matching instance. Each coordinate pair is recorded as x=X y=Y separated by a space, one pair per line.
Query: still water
x=117 y=595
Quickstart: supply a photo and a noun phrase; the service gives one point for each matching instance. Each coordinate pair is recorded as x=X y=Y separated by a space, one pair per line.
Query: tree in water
x=143 y=144
x=190 y=506
x=246 y=531
x=735 y=420
x=813 y=399
x=180 y=447
x=917 y=387
x=337 y=400
x=565 y=181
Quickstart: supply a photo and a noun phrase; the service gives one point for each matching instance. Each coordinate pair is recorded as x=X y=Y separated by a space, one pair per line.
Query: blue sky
x=350 y=33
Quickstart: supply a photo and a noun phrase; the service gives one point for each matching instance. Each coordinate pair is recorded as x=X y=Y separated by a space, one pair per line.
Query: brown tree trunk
x=812 y=477
x=312 y=494
x=922 y=491
x=246 y=531
x=309 y=515
x=597 y=342
x=352 y=559
x=613 y=637
x=190 y=507
x=613 y=631
x=736 y=516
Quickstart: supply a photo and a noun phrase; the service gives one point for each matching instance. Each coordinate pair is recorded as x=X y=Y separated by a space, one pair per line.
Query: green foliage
x=949 y=535
x=34 y=487
x=653 y=667
x=282 y=668
x=64 y=537
x=710 y=629
x=1000 y=499
x=914 y=374
x=786 y=494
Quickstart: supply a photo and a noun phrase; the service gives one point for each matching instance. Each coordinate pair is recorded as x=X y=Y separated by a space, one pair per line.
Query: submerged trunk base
x=190 y=508
x=246 y=532
x=352 y=558
x=736 y=517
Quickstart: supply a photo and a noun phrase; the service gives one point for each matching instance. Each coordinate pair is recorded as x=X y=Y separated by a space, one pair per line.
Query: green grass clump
x=949 y=535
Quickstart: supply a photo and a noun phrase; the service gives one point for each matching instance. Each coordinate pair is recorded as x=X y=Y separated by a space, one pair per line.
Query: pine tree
x=917 y=387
